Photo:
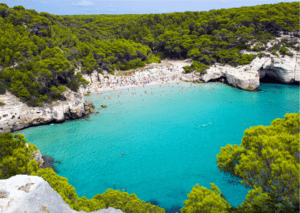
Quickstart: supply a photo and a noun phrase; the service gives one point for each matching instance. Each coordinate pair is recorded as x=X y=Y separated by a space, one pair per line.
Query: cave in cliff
x=267 y=79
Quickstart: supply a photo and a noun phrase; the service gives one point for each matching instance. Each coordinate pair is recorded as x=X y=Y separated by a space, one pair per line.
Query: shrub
x=202 y=199
x=2 y=89
x=2 y=104
x=15 y=157
x=198 y=66
x=261 y=54
x=73 y=85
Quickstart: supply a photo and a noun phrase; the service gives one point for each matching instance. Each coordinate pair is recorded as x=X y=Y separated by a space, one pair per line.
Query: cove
x=170 y=137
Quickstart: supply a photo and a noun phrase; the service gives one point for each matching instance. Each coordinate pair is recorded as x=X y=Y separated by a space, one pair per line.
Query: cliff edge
x=16 y=115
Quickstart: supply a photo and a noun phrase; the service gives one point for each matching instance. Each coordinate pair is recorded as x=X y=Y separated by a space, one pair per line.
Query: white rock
x=16 y=115
x=285 y=69
x=23 y=193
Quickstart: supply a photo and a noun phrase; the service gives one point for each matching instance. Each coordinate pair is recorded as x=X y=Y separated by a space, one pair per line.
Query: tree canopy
x=15 y=157
x=267 y=160
x=40 y=50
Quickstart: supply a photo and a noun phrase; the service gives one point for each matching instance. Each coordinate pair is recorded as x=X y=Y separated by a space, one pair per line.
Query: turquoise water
x=170 y=138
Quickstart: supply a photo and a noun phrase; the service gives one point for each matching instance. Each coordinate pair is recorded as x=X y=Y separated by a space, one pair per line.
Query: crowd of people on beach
x=151 y=76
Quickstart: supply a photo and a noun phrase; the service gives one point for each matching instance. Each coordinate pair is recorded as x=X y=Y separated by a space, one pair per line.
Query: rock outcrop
x=93 y=77
x=241 y=77
x=285 y=69
x=16 y=115
x=23 y=193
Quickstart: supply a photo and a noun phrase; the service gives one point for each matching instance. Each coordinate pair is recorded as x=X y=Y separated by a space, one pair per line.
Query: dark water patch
x=48 y=162
x=153 y=202
x=173 y=209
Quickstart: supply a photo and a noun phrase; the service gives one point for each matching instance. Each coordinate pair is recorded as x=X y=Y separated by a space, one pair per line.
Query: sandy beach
x=166 y=72
x=100 y=90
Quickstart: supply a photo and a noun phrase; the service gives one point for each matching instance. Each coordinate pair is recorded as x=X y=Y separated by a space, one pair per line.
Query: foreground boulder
x=16 y=115
x=23 y=193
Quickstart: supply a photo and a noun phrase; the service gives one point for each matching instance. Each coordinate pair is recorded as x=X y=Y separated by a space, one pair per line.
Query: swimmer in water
x=122 y=154
x=123 y=189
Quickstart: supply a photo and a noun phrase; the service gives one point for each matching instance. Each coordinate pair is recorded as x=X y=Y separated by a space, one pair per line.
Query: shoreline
x=119 y=88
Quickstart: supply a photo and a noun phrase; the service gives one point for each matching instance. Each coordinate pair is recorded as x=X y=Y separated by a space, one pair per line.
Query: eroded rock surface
x=16 y=115
x=285 y=69
x=23 y=193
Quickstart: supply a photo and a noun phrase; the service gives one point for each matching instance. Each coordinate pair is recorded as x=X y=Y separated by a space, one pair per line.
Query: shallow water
x=170 y=138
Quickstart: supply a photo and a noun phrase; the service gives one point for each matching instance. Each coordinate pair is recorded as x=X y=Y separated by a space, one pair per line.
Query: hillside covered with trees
x=266 y=162
x=39 y=52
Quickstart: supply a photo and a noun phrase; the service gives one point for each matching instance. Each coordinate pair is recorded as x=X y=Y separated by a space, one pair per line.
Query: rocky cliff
x=16 y=115
x=285 y=69
x=23 y=193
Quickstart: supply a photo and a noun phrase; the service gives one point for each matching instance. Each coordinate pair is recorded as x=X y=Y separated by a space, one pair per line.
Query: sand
x=177 y=71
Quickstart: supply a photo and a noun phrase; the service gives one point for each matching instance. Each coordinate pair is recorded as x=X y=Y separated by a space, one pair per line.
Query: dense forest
x=266 y=162
x=39 y=51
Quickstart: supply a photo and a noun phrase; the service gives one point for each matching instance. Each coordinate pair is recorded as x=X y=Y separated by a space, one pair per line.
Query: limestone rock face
x=213 y=73
x=93 y=77
x=285 y=69
x=246 y=81
x=241 y=77
x=16 y=115
x=23 y=193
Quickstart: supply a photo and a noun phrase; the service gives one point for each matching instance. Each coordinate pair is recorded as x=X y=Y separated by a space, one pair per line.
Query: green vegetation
x=261 y=54
x=202 y=199
x=199 y=67
x=39 y=51
x=2 y=89
x=2 y=104
x=15 y=157
x=49 y=46
x=266 y=162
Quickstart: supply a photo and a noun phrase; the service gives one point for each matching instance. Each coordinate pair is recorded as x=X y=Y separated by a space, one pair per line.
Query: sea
x=169 y=136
